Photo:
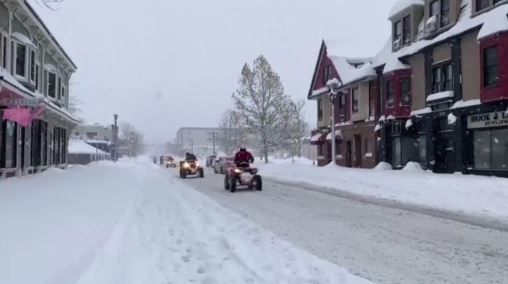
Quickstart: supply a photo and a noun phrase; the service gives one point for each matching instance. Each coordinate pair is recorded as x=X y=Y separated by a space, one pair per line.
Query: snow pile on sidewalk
x=133 y=222
x=469 y=194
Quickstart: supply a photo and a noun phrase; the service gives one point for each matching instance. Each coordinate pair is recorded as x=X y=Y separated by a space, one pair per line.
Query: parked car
x=222 y=164
x=210 y=161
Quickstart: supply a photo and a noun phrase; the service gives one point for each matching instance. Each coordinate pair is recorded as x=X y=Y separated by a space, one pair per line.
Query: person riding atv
x=243 y=174
x=191 y=166
x=243 y=158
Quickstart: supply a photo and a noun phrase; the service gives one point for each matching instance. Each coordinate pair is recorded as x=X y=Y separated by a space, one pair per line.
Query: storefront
x=487 y=146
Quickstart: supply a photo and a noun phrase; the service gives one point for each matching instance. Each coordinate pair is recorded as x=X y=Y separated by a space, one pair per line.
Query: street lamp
x=333 y=86
x=114 y=153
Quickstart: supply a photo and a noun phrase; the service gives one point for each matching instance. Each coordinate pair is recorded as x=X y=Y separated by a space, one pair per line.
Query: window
x=482 y=5
x=327 y=74
x=9 y=132
x=59 y=88
x=434 y=8
x=51 y=85
x=442 y=78
x=64 y=94
x=405 y=91
x=342 y=103
x=491 y=149
x=406 y=30
x=490 y=73
x=33 y=66
x=21 y=62
x=320 y=109
x=390 y=93
x=3 y=50
x=369 y=146
x=355 y=99
x=445 y=12
x=397 y=35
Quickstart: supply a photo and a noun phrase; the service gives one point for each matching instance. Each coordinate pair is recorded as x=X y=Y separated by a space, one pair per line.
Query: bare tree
x=298 y=128
x=130 y=139
x=261 y=102
x=232 y=135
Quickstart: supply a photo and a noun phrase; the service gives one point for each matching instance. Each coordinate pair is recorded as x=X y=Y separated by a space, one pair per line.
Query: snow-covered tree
x=297 y=129
x=261 y=102
x=233 y=135
x=131 y=140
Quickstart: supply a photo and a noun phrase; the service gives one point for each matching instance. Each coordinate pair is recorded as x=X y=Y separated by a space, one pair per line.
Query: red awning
x=317 y=139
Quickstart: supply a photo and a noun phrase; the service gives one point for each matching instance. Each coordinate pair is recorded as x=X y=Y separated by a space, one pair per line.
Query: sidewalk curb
x=462 y=217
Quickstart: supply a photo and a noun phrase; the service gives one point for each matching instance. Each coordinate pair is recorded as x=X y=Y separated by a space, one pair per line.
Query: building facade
x=34 y=83
x=93 y=132
x=441 y=87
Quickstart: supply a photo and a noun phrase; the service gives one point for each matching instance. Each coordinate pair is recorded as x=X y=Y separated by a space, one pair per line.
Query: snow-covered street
x=134 y=222
x=380 y=243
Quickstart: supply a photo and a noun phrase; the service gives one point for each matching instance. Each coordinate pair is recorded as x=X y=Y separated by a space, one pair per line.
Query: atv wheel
x=184 y=175
x=259 y=183
x=201 y=173
x=232 y=183
x=226 y=182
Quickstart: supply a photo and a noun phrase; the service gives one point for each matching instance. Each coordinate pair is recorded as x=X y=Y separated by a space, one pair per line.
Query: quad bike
x=191 y=168
x=242 y=176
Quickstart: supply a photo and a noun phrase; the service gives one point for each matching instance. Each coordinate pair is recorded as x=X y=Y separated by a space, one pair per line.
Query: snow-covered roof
x=465 y=23
x=440 y=95
x=80 y=147
x=498 y=22
x=402 y=5
x=348 y=73
x=394 y=64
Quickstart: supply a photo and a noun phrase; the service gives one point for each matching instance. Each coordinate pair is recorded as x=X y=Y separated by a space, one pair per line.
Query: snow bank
x=383 y=166
x=132 y=222
x=466 y=194
x=81 y=147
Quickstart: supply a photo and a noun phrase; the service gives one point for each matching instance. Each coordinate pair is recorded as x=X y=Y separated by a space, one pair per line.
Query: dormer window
x=3 y=50
x=397 y=35
x=445 y=12
x=439 y=15
x=482 y=5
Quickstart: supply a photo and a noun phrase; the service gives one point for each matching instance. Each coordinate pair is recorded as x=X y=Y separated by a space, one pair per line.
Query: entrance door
x=357 y=161
x=348 y=154
x=23 y=147
x=444 y=147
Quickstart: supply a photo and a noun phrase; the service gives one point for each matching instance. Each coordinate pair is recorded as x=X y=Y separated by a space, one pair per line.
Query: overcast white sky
x=164 y=64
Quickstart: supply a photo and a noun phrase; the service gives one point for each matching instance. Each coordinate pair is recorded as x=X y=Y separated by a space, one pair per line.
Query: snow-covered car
x=191 y=168
x=243 y=176
x=222 y=164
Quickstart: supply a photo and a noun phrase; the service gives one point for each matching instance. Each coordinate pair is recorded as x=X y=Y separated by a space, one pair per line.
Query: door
x=357 y=161
x=445 y=156
x=348 y=154
x=23 y=147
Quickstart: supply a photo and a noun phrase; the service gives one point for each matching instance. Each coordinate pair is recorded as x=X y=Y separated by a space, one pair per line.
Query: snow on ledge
x=421 y=111
x=497 y=22
x=461 y=103
x=401 y=5
x=440 y=95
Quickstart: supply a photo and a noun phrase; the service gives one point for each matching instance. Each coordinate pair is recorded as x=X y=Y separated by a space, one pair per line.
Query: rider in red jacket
x=243 y=158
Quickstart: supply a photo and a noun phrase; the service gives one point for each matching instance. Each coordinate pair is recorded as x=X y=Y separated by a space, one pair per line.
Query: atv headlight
x=238 y=171
x=197 y=165
x=186 y=165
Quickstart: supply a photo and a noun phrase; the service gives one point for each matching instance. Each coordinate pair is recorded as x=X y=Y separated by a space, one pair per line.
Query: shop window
x=405 y=91
x=422 y=149
x=490 y=69
x=390 y=93
x=396 y=152
x=442 y=78
x=355 y=100
x=369 y=146
x=9 y=131
x=491 y=149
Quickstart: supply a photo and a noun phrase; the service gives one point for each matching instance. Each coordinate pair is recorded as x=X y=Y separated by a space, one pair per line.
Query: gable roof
x=322 y=49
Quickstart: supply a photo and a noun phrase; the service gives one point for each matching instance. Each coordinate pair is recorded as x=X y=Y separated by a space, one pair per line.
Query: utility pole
x=114 y=152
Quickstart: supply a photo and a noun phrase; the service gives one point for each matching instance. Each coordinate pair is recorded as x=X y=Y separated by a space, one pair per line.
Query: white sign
x=484 y=120
x=19 y=102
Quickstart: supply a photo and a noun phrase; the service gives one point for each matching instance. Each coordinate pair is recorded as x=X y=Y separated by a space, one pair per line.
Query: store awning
x=338 y=135
x=317 y=139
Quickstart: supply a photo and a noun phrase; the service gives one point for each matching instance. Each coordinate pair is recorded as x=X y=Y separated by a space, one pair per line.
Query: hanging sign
x=15 y=102
x=484 y=120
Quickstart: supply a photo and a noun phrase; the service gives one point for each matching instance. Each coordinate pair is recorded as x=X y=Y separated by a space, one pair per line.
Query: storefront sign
x=14 y=102
x=485 y=120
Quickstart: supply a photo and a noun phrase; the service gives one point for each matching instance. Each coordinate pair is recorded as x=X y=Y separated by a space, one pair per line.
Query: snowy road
x=382 y=244
x=132 y=222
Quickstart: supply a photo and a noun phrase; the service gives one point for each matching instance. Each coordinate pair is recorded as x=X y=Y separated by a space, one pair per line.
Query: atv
x=244 y=177
x=191 y=168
